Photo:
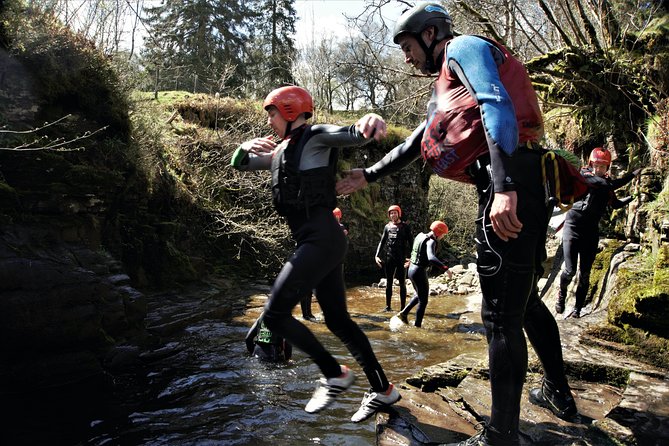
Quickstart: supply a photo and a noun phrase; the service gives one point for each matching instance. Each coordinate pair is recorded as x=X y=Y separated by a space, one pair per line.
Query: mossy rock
x=642 y=301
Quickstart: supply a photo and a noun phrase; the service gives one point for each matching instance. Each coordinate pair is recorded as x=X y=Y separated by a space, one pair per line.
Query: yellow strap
x=556 y=171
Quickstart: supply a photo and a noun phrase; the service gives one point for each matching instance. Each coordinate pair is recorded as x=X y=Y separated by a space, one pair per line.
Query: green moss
x=593 y=372
x=642 y=300
x=600 y=267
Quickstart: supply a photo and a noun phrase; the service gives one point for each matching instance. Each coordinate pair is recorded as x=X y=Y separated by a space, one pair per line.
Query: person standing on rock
x=483 y=126
x=303 y=167
x=580 y=235
x=391 y=254
x=423 y=254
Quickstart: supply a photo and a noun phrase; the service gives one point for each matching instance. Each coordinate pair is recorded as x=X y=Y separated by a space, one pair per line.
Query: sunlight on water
x=217 y=395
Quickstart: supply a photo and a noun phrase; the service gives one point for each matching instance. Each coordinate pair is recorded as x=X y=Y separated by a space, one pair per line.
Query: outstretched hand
x=258 y=146
x=372 y=126
x=353 y=181
x=503 y=216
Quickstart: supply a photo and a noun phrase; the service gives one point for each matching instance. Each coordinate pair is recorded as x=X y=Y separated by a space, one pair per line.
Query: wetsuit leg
x=588 y=254
x=400 y=274
x=332 y=299
x=389 y=268
x=508 y=275
x=413 y=273
x=305 y=306
x=570 y=250
x=422 y=288
x=321 y=248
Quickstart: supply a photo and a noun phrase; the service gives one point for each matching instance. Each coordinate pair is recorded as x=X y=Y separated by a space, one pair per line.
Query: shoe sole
x=338 y=391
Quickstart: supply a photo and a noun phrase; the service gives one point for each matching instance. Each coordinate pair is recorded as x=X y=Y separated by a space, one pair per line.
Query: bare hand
x=372 y=125
x=353 y=181
x=450 y=274
x=503 y=216
x=407 y=262
x=258 y=146
x=379 y=262
x=637 y=172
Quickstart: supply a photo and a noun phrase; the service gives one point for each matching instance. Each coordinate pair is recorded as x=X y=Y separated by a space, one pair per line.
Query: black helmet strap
x=430 y=64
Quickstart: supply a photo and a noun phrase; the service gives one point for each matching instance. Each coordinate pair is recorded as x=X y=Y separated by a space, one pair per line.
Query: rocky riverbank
x=620 y=400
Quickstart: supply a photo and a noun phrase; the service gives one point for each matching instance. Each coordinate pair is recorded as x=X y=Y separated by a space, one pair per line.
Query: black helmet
x=422 y=16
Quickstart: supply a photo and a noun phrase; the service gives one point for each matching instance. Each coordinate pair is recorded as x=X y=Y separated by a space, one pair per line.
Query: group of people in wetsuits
x=483 y=127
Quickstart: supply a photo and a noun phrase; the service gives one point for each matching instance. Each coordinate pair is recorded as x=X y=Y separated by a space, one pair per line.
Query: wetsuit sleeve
x=384 y=237
x=474 y=61
x=432 y=255
x=398 y=158
x=243 y=160
x=250 y=336
x=620 y=182
x=619 y=203
x=335 y=136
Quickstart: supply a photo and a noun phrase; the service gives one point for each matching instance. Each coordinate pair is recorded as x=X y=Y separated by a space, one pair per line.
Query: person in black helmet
x=303 y=167
x=423 y=254
x=391 y=254
x=483 y=126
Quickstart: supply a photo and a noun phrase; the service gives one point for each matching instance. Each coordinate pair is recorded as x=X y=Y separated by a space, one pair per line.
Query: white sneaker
x=374 y=401
x=328 y=389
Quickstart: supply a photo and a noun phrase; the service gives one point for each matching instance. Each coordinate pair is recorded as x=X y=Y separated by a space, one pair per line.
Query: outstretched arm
x=398 y=158
x=255 y=154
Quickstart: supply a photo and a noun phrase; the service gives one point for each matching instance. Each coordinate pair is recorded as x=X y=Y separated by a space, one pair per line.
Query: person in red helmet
x=305 y=303
x=303 y=166
x=391 y=254
x=423 y=254
x=580 y=235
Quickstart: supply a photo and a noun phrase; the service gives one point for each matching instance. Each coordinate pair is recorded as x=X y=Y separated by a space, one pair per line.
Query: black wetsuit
x=310 y=156
x=423 y=253
x=305 y=303
x=485 y=131
x=393 y=249
x=580 y=235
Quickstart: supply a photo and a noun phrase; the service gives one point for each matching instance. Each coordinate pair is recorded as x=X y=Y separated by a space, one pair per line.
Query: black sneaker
x=576 y=313
x=559 y=305
x=403 y=317
x=477 y=439
x=561 y=403
x=387 y=310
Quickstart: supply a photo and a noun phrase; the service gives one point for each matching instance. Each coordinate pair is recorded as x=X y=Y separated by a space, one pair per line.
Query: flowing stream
x=208 y=391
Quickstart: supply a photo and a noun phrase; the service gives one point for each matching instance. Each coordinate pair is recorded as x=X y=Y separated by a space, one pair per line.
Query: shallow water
x=212 y=393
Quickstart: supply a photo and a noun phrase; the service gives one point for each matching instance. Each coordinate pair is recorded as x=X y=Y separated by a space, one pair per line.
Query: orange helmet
x=439 y=228
x=600 y=155
x=395 y=208
x=336 y=212
x=290 y=101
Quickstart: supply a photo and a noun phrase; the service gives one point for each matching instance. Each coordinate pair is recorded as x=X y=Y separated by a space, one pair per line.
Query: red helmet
x=336 y=212
x=600 y=155
x=395 y=208
x=439 y=228
x=290 y=101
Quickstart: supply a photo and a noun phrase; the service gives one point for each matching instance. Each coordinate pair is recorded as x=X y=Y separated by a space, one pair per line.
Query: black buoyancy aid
x=295 y=191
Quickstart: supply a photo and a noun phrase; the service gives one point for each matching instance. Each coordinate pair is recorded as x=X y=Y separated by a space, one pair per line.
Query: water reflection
x=212 y=393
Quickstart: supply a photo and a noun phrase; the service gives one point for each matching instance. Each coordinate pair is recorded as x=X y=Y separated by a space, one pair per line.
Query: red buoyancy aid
x=462 y=137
